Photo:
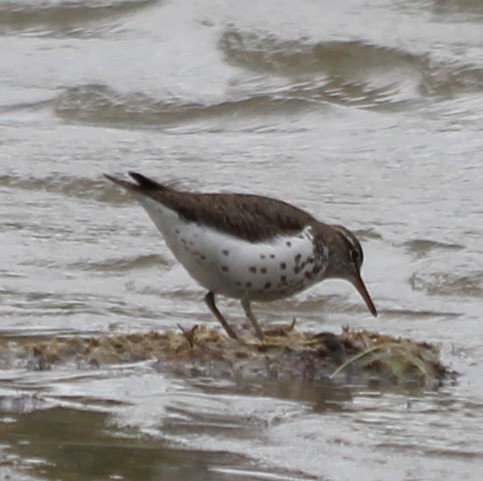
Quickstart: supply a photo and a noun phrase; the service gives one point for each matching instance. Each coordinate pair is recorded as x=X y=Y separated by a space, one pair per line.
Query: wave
x=95 y=103
x=422 y=247
x=267 y=53
x=449 y=283
x=99 y=190
x=62 y=16
x=99 y=104
x=308 y=77
x=120 y=264
x=469 y=10
x=400 y=75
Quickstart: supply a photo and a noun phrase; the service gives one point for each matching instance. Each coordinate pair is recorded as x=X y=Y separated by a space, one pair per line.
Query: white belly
x=226 y=265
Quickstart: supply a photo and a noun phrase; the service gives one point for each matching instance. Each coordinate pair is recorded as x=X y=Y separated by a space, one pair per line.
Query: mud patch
x=356 y=357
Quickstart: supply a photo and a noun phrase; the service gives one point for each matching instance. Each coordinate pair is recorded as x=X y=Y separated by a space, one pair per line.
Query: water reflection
x=63 y=443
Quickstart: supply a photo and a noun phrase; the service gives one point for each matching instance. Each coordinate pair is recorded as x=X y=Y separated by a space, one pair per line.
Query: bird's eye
x=356 y=257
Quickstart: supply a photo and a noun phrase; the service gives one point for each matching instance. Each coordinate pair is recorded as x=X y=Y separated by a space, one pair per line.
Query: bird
x=246 y=246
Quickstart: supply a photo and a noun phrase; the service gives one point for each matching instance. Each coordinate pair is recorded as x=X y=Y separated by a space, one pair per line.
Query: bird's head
x=346 y=257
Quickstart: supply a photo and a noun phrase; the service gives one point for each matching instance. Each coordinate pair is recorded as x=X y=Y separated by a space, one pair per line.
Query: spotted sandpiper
x=248 y=247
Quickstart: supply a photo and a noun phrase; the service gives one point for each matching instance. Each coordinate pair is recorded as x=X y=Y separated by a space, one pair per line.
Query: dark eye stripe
x=356 y=253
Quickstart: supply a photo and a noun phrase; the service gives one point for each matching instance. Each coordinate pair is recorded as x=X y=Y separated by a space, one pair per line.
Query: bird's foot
x=189 y=334
x=281 y=330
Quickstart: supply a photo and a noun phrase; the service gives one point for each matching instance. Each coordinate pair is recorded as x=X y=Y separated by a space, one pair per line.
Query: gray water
x=365 y=113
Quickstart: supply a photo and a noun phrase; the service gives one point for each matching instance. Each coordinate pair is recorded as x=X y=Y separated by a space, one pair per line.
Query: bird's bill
x=361 y=288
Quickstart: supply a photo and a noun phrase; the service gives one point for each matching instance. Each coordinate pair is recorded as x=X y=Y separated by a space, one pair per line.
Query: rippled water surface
x=365 y=113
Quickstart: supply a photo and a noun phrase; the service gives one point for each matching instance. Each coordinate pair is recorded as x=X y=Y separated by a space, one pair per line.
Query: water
x=364 y=113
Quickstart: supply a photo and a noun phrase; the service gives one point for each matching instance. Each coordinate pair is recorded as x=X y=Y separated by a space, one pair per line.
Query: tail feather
x=123 y=183
x=143 y=183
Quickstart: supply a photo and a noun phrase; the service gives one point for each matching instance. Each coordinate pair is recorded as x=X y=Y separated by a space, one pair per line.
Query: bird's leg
x=210 y=302
x=248 y=311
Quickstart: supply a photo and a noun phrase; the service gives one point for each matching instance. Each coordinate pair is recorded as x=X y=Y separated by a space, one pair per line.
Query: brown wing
x=252 y=217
